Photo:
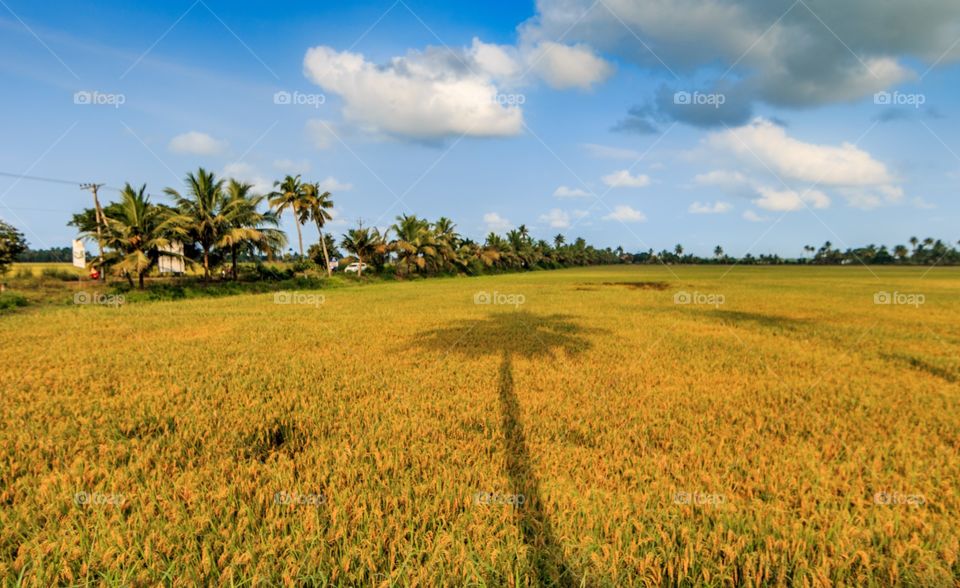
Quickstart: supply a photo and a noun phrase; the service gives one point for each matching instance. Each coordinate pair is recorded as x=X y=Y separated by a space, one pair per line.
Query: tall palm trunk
x=233 y=255
x=299 y=238
x=359 y=266
x=206 y=264
x=141 y=279
x=323 y=245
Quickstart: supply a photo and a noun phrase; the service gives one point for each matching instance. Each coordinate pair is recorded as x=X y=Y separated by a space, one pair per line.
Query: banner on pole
x=79 y=254
x=172 y=263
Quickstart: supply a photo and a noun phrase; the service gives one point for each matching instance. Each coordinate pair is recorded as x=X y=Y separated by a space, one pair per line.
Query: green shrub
x=265 y=272
x=8 y=301
x=55 y=273
x=303 y=265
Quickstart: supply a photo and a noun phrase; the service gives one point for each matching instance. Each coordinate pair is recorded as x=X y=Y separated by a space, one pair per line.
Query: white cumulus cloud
x=496 y=223
x=623 y=179
x=292 y=167
x=244 y=172
x=569 y=66
x=765 y=152
x=721 y=178
x=197 y=143
x=625 y=214
x=707 y=208
x=332 y=184
x=443 y=92
x=427 y=95
x=565 y=192
x=764 y=142
x=790 y=200
x=556 y=218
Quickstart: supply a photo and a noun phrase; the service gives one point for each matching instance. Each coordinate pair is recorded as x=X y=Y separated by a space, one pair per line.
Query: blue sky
x=566 y=115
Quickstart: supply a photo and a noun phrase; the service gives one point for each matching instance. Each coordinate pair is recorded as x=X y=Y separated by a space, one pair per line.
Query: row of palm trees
x=306 y=201
x=928 y=251
x=220 y=221
x=416 y=246
x=214 y=219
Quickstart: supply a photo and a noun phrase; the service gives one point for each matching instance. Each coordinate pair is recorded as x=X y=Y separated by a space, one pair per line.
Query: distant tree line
x=53 y=254
x=220 y=223
x=929 y=251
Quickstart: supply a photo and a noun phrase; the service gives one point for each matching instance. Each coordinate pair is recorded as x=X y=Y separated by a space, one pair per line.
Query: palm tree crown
x=138 y=232
x=201 y=212
x=291 y=195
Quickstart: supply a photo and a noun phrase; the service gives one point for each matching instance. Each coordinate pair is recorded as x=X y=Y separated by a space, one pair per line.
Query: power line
x=51 y=180
x=35 y=209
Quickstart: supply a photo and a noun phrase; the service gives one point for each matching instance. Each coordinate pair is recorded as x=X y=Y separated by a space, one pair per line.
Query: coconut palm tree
x=718 y=252
x=524 y=232
x=489 y=256
x=291 y=195
x=901 y=252
x=361 y=244
x=380 y=241
x=317 y=207
x=201 y=212
x=507 y=255
x=138 y=232
x=520 y=247
x=247 y=227
x=446 y=241
x=415 y=244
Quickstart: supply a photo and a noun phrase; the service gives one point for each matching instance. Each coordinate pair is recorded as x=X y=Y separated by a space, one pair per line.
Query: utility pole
x=100 y=219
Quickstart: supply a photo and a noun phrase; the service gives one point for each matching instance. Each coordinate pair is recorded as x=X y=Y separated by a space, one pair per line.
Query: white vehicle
x=355 y=267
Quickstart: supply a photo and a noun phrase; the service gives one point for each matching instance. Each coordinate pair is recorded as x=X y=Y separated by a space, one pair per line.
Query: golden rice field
x=586 y=427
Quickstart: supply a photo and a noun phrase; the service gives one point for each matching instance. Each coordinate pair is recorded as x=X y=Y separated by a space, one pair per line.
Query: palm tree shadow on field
x=511 y=334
